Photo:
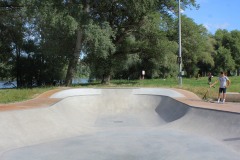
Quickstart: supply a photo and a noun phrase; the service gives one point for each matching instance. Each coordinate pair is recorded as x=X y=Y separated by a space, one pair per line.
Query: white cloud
x=213 y=27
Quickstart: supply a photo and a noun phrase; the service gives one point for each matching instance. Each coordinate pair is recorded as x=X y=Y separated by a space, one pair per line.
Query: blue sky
x=216 y=14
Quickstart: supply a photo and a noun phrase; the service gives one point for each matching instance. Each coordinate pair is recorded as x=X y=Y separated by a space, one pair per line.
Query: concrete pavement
x=150 y=123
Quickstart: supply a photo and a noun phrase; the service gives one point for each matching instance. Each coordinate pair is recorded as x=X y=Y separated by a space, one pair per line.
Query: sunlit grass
x=16 y=95
x=197 y=86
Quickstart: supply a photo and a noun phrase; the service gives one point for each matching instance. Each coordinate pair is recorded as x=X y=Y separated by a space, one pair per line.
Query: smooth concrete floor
x=131 y=144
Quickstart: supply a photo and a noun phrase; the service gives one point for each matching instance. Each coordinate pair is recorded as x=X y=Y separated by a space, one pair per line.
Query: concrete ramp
x=129 y=124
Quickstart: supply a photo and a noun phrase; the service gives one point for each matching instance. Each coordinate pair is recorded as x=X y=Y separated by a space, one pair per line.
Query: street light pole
x=180 y=45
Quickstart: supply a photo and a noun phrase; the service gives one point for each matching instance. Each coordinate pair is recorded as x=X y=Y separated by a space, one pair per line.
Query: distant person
x=224 y=83
x=54 y=83
x=210 y=78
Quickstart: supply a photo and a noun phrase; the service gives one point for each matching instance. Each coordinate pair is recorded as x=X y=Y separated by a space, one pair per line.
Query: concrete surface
x=233 y=97
x=129 y=124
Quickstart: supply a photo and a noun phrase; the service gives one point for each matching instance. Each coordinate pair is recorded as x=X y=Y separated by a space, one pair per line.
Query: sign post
x=143 y=74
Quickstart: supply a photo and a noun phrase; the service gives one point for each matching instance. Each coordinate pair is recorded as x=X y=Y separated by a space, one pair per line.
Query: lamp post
x=180 y=45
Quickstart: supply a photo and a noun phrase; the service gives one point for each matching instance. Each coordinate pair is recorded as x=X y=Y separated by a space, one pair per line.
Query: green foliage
x=98 y=40
x=228 y=48
x=11 y=36
x=149 y=49
x=235 y=47
x=98 y=48
x=83 y=70
x=196 y=47
x=169 y=67
x=224 y=60
x=117 y=39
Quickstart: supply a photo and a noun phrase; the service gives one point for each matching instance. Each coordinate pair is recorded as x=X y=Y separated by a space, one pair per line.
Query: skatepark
x=127 y=123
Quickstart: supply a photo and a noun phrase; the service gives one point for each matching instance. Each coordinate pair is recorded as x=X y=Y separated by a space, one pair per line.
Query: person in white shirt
x=224 y=83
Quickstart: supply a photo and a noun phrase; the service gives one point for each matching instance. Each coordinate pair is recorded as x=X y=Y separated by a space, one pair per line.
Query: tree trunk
x=106 y=79
x=74 y=58
x=73 y=61
x=18 y=68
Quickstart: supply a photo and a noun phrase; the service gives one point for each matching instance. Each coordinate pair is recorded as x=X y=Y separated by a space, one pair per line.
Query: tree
x=58 y=28
x=224 y=60
x=74 y=57
x=126 y=18
x=235 y=49
x=5 y=50
x=228 y=49
x=98 y=48
x=61 y=30
x=196 y=47
x=12 y=33
x=157 y=52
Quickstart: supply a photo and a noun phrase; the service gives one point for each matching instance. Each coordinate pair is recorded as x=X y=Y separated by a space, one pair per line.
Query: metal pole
x=180 y=45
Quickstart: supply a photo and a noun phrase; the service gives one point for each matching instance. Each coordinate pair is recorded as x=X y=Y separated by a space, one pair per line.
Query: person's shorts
x=222 y=90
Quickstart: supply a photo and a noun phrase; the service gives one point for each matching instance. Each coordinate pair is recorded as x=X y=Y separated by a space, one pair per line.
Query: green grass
x=199 y=87
x=16 y=95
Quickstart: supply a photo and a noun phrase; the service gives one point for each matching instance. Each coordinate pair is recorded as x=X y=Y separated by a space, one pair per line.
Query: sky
x=216 y=14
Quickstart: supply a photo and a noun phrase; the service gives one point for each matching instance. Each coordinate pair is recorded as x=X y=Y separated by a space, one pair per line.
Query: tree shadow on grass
x=112 y=83
x=87 y=84
x=127 y=83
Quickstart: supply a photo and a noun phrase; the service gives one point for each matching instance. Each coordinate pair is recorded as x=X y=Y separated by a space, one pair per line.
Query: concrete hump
x=76 y=92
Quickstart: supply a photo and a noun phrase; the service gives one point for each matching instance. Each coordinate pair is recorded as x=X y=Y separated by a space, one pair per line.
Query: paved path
x=194 y=101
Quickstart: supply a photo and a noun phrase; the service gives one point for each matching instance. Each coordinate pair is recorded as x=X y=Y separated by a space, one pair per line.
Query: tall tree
x=125 y=18
x=99 y=48
x=74 y=58
x=229 y=44
x=58 y=28
x=12 y=34
x=196 y=46
x=156 y=51
x=224 y=60
x=235 y=49
x=5 y=48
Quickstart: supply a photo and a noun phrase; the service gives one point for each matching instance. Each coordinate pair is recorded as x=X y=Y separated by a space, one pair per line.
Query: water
x=8 y=84
x=80 y=81
x=13 y=84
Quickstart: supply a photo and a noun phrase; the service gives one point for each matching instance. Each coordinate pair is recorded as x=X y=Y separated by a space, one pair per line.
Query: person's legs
x=224 y=94
x=219 y=94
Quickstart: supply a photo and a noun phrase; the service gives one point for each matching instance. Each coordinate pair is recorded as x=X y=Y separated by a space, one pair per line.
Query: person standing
x=209 y=78
x=224 y=83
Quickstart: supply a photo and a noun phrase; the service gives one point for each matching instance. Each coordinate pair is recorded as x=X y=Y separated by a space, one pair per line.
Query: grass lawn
x=16 y=95
x=197 y=86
